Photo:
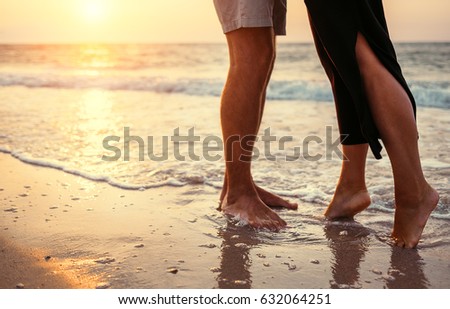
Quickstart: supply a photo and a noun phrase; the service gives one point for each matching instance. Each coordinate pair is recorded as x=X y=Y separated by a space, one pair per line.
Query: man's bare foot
x=411 y=218
x=270 y=199
x=252 y=210
x=273 y=200
x=347 y=202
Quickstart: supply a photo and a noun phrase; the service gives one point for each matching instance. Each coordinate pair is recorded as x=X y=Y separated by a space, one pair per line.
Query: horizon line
x=182 y=42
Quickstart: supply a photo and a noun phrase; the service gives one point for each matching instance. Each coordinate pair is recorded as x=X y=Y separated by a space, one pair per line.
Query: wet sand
x=96 y=235
x=31 y=268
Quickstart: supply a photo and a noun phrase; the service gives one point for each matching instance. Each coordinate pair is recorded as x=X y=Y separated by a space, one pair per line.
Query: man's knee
x=254 y=47
x=262 y=60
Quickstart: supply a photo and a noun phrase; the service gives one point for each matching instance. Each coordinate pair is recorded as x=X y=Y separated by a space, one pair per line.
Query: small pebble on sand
x=290 y=266
x=20 y=286
x=215 y=269
x=266 y=264
x=210 y=246
x=47 y=258
x=139 y=246
x=12 y=209
x=377 y=271
x=172 y=270
x=394 y=272
x=106 y=260
x=103 y=285
x=314 y=261
x=241 y=245
x=388 y=278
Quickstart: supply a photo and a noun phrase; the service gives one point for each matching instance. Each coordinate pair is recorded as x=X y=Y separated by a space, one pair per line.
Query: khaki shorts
x=235 y=14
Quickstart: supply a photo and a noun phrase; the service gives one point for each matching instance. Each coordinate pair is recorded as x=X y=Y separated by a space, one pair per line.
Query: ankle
x=234 y=193
x=414 y=196
x=351 y=186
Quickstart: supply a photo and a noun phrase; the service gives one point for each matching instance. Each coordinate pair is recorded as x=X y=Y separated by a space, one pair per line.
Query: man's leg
x=350 y=196
x=252 y=52
x=394 y=117
x=270 y=199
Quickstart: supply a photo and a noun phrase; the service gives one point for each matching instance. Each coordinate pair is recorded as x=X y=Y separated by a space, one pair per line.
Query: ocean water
x=70 y=107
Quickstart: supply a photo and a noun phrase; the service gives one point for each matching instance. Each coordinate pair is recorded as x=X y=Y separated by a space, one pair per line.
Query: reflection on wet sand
x=348 y=245
x=349 y=242
x=234 y=271
x=406 y=270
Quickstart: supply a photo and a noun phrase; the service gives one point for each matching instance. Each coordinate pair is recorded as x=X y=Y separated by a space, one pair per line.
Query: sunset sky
x=154 y=21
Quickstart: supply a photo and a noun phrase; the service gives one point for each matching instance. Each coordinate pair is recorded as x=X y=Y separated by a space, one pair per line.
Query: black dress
x=335 y=25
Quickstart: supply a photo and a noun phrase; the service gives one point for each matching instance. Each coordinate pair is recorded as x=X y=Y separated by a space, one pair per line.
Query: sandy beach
x=70 y=219
x=112 y=161
x=62 y=231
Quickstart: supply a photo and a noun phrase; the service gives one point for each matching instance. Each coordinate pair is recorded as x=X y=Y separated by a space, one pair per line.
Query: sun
x=94 y=10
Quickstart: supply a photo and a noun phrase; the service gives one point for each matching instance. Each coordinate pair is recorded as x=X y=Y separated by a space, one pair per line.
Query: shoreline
x=173 y=237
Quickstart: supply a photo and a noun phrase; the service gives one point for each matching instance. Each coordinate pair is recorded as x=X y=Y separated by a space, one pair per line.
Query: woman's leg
x=350 y=196
x=393 y=114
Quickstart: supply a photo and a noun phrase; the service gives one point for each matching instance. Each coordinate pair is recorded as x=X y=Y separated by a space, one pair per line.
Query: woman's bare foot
x=270 y=199
x=252 y=210
x=411 y=218
x=347 y=202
